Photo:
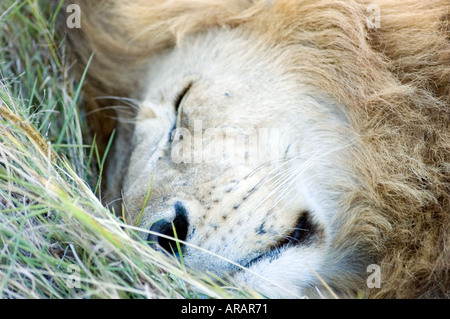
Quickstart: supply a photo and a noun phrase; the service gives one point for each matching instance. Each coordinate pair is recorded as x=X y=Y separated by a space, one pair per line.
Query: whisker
x=121 y=109
x=278 y=189
x=133 y=103
x=124 y=120
x=282 y=185
x=280 y=178
x=277 y=161
x=282 y=160
x=266 y=179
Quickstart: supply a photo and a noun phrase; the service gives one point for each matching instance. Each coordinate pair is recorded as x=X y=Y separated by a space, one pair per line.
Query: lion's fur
x=394 y=82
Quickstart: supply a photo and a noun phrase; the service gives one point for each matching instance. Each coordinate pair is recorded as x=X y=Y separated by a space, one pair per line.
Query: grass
x=57 y=240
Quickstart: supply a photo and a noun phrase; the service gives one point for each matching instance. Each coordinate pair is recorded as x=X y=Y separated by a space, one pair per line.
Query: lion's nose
x=176 y=228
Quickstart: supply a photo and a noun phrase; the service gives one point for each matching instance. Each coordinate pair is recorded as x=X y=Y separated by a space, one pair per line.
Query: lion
x=354 y=197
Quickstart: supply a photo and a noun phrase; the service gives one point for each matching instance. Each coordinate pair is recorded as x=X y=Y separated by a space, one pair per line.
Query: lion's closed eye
x=181 y=96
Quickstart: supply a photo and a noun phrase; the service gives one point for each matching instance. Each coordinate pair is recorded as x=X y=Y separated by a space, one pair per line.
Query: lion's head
x=286 y=143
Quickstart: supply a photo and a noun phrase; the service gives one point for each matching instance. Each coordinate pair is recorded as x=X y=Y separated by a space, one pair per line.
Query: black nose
x=164 y=227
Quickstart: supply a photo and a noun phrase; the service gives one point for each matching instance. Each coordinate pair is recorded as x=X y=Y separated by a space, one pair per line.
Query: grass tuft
x=57 y=240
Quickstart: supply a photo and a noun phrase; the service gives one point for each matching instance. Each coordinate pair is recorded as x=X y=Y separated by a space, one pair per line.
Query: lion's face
x=250 y=165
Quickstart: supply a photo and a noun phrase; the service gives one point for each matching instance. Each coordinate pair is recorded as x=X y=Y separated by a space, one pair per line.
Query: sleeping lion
x=300 y=147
